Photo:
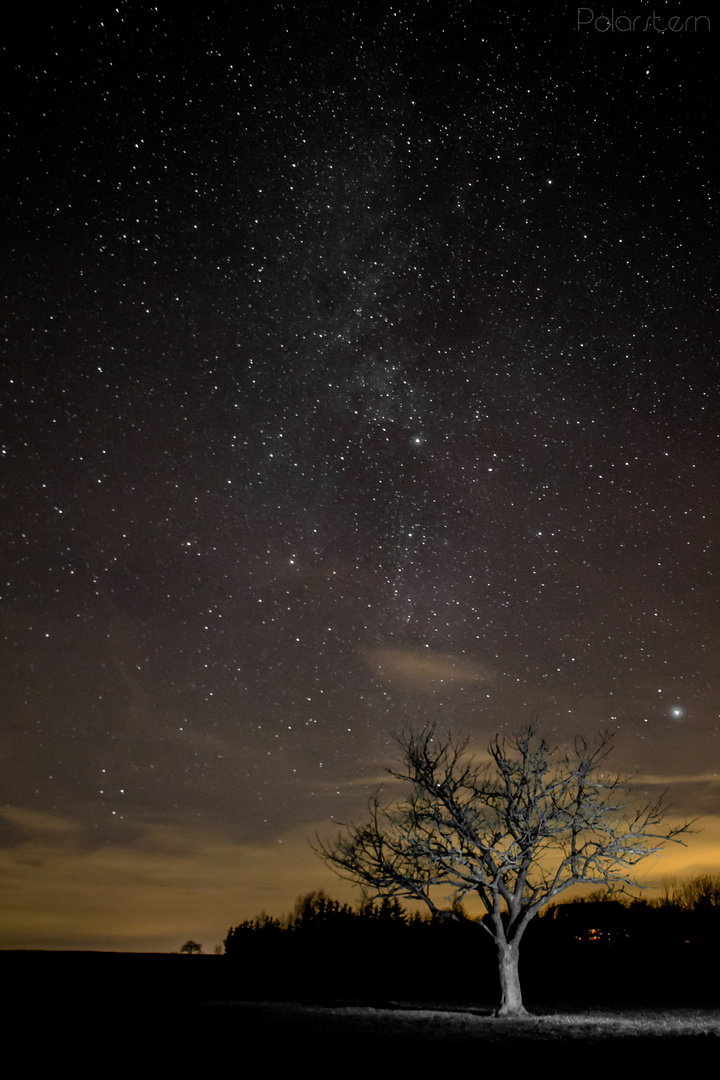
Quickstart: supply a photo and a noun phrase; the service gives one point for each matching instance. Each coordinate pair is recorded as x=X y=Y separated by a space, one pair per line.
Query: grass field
x=419 y=1025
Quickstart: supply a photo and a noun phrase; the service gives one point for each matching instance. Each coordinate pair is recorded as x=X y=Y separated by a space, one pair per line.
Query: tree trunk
x=511 y=1001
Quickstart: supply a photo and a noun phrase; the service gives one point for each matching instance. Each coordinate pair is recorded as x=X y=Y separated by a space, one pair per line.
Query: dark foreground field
x=182 y=1012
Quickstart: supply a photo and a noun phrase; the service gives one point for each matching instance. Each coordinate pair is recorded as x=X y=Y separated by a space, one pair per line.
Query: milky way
x=360 y=372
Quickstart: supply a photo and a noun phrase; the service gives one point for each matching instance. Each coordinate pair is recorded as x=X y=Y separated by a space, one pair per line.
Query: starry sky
x=359 y=371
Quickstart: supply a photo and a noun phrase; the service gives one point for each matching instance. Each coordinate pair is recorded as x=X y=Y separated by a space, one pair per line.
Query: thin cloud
x=36 y=822
x=423 y=669
x=666 y=781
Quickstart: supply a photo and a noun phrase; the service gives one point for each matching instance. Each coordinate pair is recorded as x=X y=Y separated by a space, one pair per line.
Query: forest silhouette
x=599 y=947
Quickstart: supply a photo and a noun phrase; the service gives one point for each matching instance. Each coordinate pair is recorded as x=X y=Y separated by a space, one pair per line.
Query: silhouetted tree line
x=319 y=924
x=687 y=914
x=327 y=948
x=687 y=911
x=318 y=914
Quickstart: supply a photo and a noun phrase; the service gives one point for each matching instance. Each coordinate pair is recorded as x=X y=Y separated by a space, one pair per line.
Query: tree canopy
x=516 y=831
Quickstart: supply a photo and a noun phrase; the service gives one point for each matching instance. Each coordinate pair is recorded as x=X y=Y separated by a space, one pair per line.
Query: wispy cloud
x=424 y=669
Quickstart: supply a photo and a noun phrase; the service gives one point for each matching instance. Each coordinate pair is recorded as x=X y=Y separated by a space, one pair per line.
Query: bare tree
x=517 y=832
x=191 y=947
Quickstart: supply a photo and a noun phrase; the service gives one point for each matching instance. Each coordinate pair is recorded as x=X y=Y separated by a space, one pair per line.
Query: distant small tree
x=517 y=833
x=191 y=947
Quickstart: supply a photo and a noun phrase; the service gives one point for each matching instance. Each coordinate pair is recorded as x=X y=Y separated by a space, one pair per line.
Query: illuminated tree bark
x=511 y=1003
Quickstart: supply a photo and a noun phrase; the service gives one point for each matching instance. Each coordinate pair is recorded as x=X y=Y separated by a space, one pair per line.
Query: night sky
x=359 y=371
